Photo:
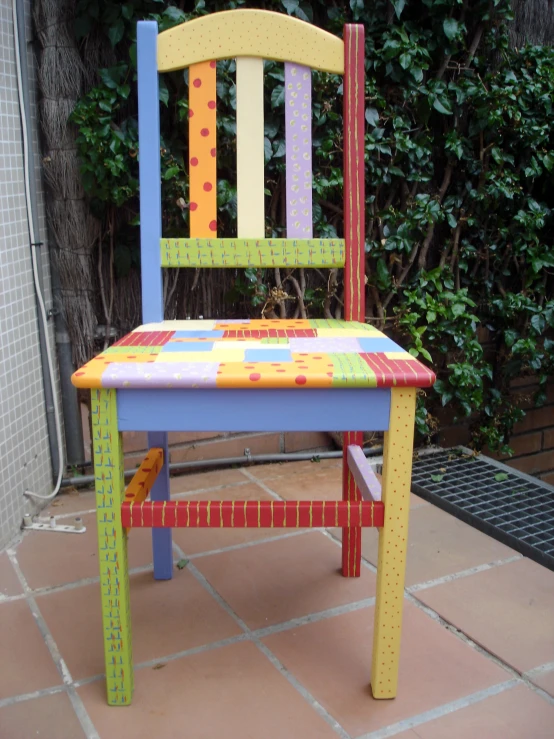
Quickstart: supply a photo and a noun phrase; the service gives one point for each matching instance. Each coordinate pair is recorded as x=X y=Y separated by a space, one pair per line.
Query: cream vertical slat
x=250 y=147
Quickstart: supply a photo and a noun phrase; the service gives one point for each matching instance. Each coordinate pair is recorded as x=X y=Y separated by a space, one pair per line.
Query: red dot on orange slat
x=207 y=186
x=193 y=206
x=211 y=104
x=300 y=380
x=254 y=376
x=212 y=65
x=213 y=225
x=191 y=112
x=194 y=161
x=276 y=364
x=205 y=132
x=197 y=82
x=212 y=152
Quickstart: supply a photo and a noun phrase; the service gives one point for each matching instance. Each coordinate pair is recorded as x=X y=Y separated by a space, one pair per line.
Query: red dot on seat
x=276 y=364
x=254 y=376
x=212 y=152
x=193 y=206
x=212 y=65
x=191 y=113
x=300 y=380
x=207 y=186
x=197 y=82
x=280 y=370
x=213 y=225
x=204 y=132
x=194 y=161
x=211 y=104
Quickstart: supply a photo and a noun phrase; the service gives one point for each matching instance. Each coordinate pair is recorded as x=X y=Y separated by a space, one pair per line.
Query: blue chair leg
x=161 y=538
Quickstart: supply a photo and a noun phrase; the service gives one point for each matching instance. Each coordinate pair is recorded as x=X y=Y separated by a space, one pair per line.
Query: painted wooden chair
x=216 y=375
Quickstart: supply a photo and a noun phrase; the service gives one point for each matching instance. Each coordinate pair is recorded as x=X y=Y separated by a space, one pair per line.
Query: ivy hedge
x=459 y=184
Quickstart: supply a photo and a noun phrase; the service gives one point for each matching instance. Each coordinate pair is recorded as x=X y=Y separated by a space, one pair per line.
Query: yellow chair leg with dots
x=393 y=538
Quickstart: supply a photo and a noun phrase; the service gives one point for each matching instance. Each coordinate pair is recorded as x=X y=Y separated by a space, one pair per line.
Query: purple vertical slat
x=298 y=124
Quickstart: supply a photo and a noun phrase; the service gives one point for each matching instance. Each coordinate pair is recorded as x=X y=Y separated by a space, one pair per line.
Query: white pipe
x=42 y=308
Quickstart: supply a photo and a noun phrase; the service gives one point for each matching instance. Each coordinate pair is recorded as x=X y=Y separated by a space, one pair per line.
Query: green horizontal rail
x=252 y=252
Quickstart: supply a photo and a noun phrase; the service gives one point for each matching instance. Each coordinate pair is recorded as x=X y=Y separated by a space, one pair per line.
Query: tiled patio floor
x=259 y=636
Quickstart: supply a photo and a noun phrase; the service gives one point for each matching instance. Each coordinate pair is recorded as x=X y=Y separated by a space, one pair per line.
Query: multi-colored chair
x=217 y=375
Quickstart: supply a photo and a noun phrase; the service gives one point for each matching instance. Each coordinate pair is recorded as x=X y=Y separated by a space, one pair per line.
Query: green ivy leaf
x=372 y=116
x=437 y=478
x=398 y=6
x=182 y=563
x=442 y=105
x=278 y=96
x=116 y=31
x=450 y=28
x=538 y=322
x=500 y=477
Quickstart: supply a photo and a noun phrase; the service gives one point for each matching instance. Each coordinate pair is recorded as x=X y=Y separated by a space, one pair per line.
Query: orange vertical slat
x=202 y=150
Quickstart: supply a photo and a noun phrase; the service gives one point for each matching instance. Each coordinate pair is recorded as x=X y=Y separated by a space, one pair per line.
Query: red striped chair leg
x=351 y=536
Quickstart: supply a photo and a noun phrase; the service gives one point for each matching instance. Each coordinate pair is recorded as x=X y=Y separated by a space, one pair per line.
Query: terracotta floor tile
x=284 y=579
x=545 y=680
x=193 y=541
x=332 y=659
x=417 y=502
x=9 y=582
x=517 y=713
x=508 y=610
x=317 y=483
x=48 y=559
x=289 y=469
x=167 y=617
x=26 y=664
x=232 y=692
x=439 y=545
x=64 y=503
x=202 y=480
x=49 y=717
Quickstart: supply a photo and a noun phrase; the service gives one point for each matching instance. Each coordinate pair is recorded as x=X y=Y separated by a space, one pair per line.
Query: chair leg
x=351 y=536
x=112 y=547
x=161 y=538
x=391 y=563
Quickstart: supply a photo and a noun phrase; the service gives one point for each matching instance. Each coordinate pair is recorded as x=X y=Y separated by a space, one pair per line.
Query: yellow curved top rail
x=258 y=33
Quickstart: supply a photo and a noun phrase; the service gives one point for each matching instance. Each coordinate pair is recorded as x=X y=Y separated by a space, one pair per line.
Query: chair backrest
x=250 y=36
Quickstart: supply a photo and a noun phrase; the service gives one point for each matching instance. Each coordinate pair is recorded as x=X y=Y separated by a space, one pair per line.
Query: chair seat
x=254 y=353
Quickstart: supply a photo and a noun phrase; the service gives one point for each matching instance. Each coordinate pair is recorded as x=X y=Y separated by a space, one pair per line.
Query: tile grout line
x=76 y=702
x=439 y=711
x=261 y=484
x=520 y=677
x=427 y=584
x=306 y=695
x=22 y=697
x=48 y=589
x=540 y=669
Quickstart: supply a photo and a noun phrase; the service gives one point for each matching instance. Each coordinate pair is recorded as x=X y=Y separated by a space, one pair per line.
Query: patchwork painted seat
x=219 y=375
x=315 y=353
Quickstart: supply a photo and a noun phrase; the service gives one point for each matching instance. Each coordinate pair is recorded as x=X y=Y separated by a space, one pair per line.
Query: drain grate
x=508 y=505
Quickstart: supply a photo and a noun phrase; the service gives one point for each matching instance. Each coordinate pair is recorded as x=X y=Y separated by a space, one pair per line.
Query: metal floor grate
x=508 y=505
